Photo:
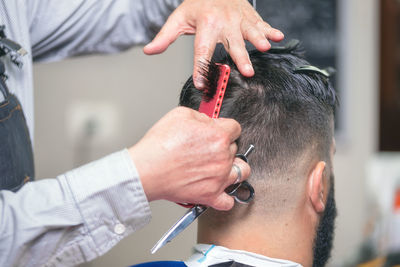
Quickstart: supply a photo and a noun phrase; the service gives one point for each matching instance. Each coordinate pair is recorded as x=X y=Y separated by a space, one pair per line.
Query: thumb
x=167 y=35
x=223 y=202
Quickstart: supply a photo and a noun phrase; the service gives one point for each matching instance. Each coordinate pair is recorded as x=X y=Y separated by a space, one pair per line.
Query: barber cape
x=216 y=256
x=211 y=255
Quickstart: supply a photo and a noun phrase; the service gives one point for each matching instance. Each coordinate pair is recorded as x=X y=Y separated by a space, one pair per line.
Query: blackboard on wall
x=314 y=23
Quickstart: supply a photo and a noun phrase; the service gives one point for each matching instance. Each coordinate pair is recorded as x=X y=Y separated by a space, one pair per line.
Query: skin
x=288 y=234
x=185 y=166
x=229 y=22
x=177 y=161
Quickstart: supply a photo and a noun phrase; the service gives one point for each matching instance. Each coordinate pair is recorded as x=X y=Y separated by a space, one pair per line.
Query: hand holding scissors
x=242 y=192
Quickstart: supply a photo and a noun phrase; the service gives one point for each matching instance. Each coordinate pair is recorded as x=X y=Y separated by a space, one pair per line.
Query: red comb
x=212 y=108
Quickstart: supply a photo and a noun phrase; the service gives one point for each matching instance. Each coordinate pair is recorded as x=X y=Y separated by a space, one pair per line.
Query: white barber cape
x=208 y=255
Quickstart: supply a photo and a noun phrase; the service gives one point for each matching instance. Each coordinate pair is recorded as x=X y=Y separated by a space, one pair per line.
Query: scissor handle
x=232 y=189
x=246 y=186
x=242 y=157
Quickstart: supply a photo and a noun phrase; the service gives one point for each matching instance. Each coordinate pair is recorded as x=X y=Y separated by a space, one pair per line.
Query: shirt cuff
x=110 y=198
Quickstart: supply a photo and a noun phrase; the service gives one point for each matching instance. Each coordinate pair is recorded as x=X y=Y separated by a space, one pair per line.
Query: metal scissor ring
x=233 y=191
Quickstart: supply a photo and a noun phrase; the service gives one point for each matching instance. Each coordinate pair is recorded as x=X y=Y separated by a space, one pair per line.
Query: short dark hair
x=282 y=112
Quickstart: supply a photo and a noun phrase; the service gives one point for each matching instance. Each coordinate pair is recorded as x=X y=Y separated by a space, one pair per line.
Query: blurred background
x=88 y=107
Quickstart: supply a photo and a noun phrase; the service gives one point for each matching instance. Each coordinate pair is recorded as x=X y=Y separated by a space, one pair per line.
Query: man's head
x=288 y=116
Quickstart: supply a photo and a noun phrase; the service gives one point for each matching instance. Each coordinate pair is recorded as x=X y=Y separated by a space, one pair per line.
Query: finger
x=230 y=126
x=275 y=35
x=239 y=173
x=270 y=33
x=201 y=116
x=223 y=202
x=238 y=52
x=204 y=46
x=233 y=148
x=167 y=35
x=256 y=37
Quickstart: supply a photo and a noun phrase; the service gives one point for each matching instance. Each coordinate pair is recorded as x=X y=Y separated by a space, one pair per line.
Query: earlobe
x=316 y=188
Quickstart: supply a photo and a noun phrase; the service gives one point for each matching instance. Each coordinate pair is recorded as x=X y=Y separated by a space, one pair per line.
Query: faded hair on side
x=283 y=113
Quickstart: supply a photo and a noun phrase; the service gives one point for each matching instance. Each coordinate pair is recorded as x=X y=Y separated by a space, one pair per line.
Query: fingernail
x=147 y=47
x=149 y=44
x=279 y=34
x=248 y=69
x=199 y=83
x=267 y=44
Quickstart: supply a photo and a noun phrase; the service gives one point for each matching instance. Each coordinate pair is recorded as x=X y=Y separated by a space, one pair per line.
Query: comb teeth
x=211 y=107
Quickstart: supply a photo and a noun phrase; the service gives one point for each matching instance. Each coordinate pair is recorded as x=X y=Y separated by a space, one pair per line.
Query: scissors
x=235 y=190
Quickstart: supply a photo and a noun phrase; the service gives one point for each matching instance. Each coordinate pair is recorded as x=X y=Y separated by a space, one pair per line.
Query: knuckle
x=222 y=148
x=256 y=36
x=238 y=126
x=211 y=19
x=179 y=109
x=202 y=50
x=247 y=32
x=201 y=117
x=222 y=141
x=234 y=148
x=183 y=111
x=225 y=140
x=247 y=170
x=263 y=25
x=212 y=190
x=260 y=24
x=239 y=54
x=238 y=42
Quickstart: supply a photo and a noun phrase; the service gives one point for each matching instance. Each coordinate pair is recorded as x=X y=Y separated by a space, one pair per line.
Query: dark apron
x=16 y=156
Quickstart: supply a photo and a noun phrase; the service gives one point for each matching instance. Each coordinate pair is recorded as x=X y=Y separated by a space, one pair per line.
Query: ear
x=317 y=187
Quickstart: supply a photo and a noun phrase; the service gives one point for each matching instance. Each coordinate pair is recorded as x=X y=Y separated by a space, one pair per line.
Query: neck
x=288 y=236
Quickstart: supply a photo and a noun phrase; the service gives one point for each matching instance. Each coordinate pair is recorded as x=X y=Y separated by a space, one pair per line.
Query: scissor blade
x=179 y=226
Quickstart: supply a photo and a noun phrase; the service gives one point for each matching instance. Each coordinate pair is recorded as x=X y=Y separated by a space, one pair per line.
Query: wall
x=358 y=141
x=137 y=90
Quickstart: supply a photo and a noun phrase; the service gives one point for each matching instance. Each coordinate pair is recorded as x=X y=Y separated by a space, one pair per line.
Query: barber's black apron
x=16 y=156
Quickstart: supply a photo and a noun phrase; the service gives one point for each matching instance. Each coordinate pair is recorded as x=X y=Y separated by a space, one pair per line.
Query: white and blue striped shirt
x=81 y=214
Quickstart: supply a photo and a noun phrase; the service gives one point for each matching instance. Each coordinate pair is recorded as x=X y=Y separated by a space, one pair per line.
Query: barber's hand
x=187 y=157
x=216 y=21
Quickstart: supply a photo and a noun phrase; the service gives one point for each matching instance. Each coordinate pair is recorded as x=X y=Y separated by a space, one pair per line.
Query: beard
x=323 y=241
